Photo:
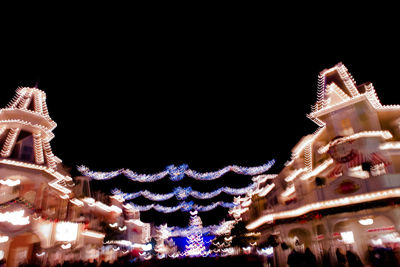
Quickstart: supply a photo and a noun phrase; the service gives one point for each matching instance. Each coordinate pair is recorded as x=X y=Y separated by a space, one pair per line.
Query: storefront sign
x=382 y=229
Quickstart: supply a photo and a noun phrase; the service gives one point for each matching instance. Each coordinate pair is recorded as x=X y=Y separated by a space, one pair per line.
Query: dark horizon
x=206 y=128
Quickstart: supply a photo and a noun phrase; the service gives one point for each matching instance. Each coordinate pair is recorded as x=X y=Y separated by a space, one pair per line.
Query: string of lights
x=184 y=206
x=176 y=173
x=182 y=193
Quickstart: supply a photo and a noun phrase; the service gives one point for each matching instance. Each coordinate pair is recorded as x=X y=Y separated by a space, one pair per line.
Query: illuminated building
x=341 y=187
x=40 y=209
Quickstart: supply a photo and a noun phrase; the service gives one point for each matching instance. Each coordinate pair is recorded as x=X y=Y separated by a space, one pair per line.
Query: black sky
x=208 y=93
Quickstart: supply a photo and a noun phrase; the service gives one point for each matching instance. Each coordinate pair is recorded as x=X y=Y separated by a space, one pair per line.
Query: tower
x=26 y=129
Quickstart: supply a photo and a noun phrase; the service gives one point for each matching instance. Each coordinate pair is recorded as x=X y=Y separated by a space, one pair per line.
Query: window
x=347 y=129
x=27 y=152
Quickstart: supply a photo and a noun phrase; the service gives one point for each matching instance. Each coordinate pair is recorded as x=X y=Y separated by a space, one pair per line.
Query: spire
x=26 y=128
x=335 y=85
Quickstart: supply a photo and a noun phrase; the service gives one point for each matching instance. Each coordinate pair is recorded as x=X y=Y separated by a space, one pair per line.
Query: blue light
x=181 y=242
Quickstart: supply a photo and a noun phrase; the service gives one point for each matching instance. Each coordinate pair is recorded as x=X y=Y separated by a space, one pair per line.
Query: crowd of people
x=298 y=258
x=241 y=260
x=376 y=257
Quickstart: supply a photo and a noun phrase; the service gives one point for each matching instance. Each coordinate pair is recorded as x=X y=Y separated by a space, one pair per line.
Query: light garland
x=77 y=202
x=38 y=147
x=266 y=190
x=66 y=246
x=364 y=134
x=10 y=183
x=290 y=190
x=182 y=193
x=223 y=228
x=10 y=142
x=94 y=234
x=49 y=135
x=390 y=146
x=269 y=218
x=2 y=130
x=263 y=178
x=175 y=173
x=184 y=206
x=126 y=243
x=294 y=174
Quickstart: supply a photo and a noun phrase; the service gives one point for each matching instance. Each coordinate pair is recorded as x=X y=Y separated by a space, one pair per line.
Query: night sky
x=208 y=95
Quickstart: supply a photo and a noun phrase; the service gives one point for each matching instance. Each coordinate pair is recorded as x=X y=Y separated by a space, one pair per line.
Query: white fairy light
x=40 y=254
x=175 y=173
x=364 y=134
x=366 y=221
x=389 y=146
x=66 y=231
x=263 y=178
x=93 y=234
x=290 y=190
x=10 y=142
x=38 y=147
x=3 y=239
x=266 y=190
x=66 y=246
x=182 y=193
x=77 y=202
x=89 y=200
x=294 y=174
x=317 y=170
x=268 y=218
x=268 y=251
x=10 y=183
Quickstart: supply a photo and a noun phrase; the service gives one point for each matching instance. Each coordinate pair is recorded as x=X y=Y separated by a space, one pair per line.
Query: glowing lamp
x=66 y=231
x=147 y=247
x=3 y=239
x=367 y=221
x=347 y=237
x=14 y=217
x=10 y=183
x=66 y=246
x=267 y=251
x=376 y=242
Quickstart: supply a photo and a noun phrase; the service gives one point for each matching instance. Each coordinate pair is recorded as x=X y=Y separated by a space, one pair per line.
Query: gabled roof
x=337 y=88
x=335 y=85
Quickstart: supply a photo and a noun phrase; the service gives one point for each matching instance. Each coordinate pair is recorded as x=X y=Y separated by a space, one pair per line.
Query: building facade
x=46 y=216
x=340 y=190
